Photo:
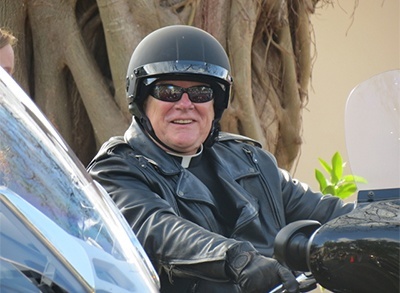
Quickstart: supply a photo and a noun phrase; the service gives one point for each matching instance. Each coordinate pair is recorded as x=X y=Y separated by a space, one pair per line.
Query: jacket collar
x=188 y=160
x=168 y=165
x=146 y=147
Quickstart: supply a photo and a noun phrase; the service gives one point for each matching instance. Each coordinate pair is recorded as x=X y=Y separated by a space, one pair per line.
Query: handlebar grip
x=300 y=279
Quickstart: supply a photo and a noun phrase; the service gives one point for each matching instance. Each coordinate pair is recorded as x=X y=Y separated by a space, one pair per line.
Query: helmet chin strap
x=144 y=122
x=213 y=135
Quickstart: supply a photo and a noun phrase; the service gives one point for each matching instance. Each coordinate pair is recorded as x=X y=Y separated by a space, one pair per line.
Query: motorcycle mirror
x=292 y=244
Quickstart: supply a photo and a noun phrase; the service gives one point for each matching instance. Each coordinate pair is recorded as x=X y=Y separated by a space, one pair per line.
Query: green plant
x=336 y=183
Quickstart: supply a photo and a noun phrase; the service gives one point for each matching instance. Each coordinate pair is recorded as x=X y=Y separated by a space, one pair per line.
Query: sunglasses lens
x=200 y=94
x=173 y=93
x=167 y=93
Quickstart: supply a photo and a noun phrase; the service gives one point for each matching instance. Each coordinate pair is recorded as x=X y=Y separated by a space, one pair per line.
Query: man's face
x=7 y=58
x=181 y=125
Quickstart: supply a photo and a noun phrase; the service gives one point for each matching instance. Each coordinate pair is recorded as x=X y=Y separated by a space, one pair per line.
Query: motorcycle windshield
x=372 y=130
x=55 y=221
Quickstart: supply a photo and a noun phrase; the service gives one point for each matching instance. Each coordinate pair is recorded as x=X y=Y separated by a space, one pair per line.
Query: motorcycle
x=60 y=231
x=360 y=251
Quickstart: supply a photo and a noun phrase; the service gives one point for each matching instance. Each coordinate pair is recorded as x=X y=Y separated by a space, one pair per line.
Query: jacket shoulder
x=110 y=145
x=226 y=137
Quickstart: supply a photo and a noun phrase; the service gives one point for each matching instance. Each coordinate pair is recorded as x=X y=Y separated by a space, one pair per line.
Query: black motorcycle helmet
x=178 y=52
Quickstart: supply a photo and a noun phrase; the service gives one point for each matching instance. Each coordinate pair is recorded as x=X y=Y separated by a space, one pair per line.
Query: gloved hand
x=256 y=273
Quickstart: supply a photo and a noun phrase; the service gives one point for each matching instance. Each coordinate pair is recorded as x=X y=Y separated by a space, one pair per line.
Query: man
x=7 y=41
x=205 y=205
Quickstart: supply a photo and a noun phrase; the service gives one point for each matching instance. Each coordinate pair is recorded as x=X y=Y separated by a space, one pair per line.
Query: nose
x=185 y=102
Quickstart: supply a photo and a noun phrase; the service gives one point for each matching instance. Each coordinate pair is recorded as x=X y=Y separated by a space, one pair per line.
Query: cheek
x=156 y=113
x=210 y=119
x=207 y=114
x=150 y=109
x=210 y=114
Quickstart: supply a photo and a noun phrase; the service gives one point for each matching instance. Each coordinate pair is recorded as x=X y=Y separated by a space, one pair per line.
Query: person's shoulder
x=232 y=137
x=110 y=146
x=112 y=143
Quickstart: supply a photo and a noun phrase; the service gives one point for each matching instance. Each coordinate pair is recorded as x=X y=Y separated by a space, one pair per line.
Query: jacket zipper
x=270 y=199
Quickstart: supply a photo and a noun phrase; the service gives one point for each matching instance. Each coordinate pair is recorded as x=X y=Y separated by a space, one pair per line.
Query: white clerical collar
x=187 y=158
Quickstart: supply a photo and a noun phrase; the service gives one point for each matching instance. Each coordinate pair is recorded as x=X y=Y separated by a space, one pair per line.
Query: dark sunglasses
x=173 y=93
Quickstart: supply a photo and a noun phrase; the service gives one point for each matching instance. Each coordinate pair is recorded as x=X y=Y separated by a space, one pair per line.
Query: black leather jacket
x=173 y=213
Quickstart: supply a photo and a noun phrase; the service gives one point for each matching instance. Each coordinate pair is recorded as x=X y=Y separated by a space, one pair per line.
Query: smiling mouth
x=183 y=121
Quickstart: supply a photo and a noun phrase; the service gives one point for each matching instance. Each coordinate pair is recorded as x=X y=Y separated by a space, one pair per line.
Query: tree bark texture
x=72 y=57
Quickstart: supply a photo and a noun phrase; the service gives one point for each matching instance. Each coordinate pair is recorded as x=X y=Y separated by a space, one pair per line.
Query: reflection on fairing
x=39 y=174
x=36 y=246
x=359 y=251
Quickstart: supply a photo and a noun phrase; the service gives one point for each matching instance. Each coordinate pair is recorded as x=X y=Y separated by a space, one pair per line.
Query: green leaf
x=330 y=189
x=360 y=179
x=346 y=190
x=321 y=179
x=345 y=194
x=354 y=179
x=325 y=165
x=348 y=178
x=336 y=183
x=337 y=168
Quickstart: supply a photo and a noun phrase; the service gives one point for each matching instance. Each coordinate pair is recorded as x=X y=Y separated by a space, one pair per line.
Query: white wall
x=348 y=52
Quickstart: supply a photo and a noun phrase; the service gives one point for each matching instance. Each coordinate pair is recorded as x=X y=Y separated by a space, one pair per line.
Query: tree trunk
x=72 y=57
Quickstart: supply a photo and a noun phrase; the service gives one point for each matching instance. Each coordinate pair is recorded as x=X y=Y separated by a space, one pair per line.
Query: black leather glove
x=256 y=273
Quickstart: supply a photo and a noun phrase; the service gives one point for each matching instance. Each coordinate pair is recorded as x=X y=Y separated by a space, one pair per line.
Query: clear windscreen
x=38 y=166
x=372 y=129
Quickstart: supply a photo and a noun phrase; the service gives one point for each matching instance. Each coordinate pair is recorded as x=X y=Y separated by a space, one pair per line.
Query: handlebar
x=306 y=281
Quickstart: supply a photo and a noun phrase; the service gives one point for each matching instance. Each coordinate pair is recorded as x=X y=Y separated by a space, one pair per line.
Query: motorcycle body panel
x=360 y=251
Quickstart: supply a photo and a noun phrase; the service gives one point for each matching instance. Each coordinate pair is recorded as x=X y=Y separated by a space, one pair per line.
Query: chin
x=185 y=148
